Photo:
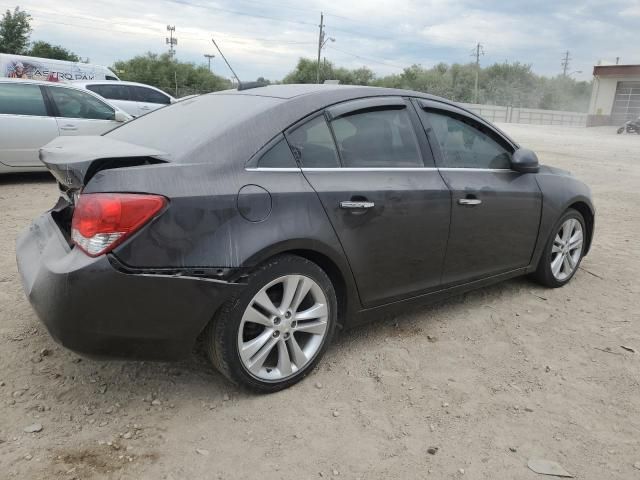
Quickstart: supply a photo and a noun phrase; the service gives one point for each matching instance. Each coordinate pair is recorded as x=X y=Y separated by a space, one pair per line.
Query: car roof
x=113 y=82
x=289 y=91
x=39 y=82
x=218 y=123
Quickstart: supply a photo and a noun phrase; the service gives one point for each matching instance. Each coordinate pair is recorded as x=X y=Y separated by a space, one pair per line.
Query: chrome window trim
x=371 y=169
x=377 y=169
x=272 y=169
x=456 y=169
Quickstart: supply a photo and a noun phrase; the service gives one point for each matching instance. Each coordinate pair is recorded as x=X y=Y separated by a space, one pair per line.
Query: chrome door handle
x=356 y=205
x=469 y=201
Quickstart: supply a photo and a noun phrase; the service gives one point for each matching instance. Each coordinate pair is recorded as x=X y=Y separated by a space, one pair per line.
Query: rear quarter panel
x=202 y=226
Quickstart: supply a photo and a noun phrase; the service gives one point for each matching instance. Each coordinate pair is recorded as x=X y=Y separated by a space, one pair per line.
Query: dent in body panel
x=203 y=227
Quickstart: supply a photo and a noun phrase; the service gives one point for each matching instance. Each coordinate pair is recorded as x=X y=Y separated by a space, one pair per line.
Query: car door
x=149 y=99
x=25 y=124
x=122 y=96
x=80 y=113
x=384 y=197
x=495 y=211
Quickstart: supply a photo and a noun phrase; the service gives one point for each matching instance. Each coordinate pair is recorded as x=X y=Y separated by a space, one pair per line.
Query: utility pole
x=209 y=56
x=320 y=43
x=170 y=40
x=565 y=63
x=479 y=50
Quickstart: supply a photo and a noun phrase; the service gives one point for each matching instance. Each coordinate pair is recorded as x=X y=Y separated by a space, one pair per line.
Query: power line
x=93 y=24
x=369 y=59
x=244 y=14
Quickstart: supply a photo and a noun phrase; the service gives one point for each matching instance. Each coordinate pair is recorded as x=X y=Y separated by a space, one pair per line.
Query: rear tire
x=563 y=251
x=273 y=333
x=620 y=130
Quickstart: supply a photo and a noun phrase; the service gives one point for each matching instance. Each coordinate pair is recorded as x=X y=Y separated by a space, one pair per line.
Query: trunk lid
x=74 y=160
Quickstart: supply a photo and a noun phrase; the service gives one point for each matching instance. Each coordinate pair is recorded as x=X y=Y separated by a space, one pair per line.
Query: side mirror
x=525 y=161
x=121 y=117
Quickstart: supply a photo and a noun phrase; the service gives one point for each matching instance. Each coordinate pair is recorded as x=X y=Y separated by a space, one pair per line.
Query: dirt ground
x=490 y=379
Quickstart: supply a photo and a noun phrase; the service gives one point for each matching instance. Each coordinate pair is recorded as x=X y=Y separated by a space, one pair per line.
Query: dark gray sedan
x=263 y=219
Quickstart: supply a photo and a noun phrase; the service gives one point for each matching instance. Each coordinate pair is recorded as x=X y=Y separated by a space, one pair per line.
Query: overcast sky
x=266 y=37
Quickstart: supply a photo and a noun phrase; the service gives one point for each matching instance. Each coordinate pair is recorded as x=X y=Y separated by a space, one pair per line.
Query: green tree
x=165 y=73
x=15 y=29
x=46 y=50
x=306 y=72
x=499 y=84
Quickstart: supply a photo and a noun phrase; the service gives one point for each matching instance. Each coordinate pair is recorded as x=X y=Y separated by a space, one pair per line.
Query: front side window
x=111 y=92
x=312 y=145
x=379 y=138
x=148 y=95
x=77 y=104
x=464 y=145
x=16 y=99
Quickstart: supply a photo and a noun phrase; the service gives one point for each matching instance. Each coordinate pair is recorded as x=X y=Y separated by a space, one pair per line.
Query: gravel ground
x=490 y=379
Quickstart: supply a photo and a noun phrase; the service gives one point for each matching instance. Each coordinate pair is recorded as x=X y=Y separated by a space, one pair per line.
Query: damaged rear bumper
x=91 y=307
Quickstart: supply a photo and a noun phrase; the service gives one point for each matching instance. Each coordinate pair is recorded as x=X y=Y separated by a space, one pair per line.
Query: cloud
x=266 y=37
x=505 y=33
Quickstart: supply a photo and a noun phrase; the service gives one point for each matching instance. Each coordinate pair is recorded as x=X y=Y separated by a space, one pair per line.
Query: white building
x=615 y=96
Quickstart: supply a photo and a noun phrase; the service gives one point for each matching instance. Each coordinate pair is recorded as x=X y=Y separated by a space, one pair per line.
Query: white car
x=134 y=98
x=32 y=113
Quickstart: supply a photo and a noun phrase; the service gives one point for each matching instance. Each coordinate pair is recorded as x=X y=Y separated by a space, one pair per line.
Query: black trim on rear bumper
x=91 y=307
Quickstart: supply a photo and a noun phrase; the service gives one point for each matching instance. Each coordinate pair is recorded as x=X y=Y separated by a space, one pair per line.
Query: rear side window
x=111 y=92
x=148 y=95
x=278 y=156
x=465 y=145
x=379 y=138
x=312 y=145
x=25 y=99
x=72 y=103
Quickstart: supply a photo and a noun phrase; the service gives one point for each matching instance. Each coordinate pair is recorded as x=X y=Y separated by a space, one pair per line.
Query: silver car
x=134 y=98
x=32 y=113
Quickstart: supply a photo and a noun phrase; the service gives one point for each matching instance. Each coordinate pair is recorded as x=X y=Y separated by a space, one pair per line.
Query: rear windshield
x=190 y=124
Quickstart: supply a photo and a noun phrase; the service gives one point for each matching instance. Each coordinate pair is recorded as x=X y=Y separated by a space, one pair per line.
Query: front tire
x=271 y=335
x=620 y=130
x=563 y=252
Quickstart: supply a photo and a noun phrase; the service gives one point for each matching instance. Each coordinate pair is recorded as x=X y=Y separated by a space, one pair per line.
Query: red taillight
x=101 y=221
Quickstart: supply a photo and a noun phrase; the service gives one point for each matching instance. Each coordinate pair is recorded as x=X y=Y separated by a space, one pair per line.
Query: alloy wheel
x=566 y=249
x=283 y=327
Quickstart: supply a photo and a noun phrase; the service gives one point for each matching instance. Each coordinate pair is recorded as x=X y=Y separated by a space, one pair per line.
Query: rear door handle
x=469 y=201
x=68 y=127
x=351 y=204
